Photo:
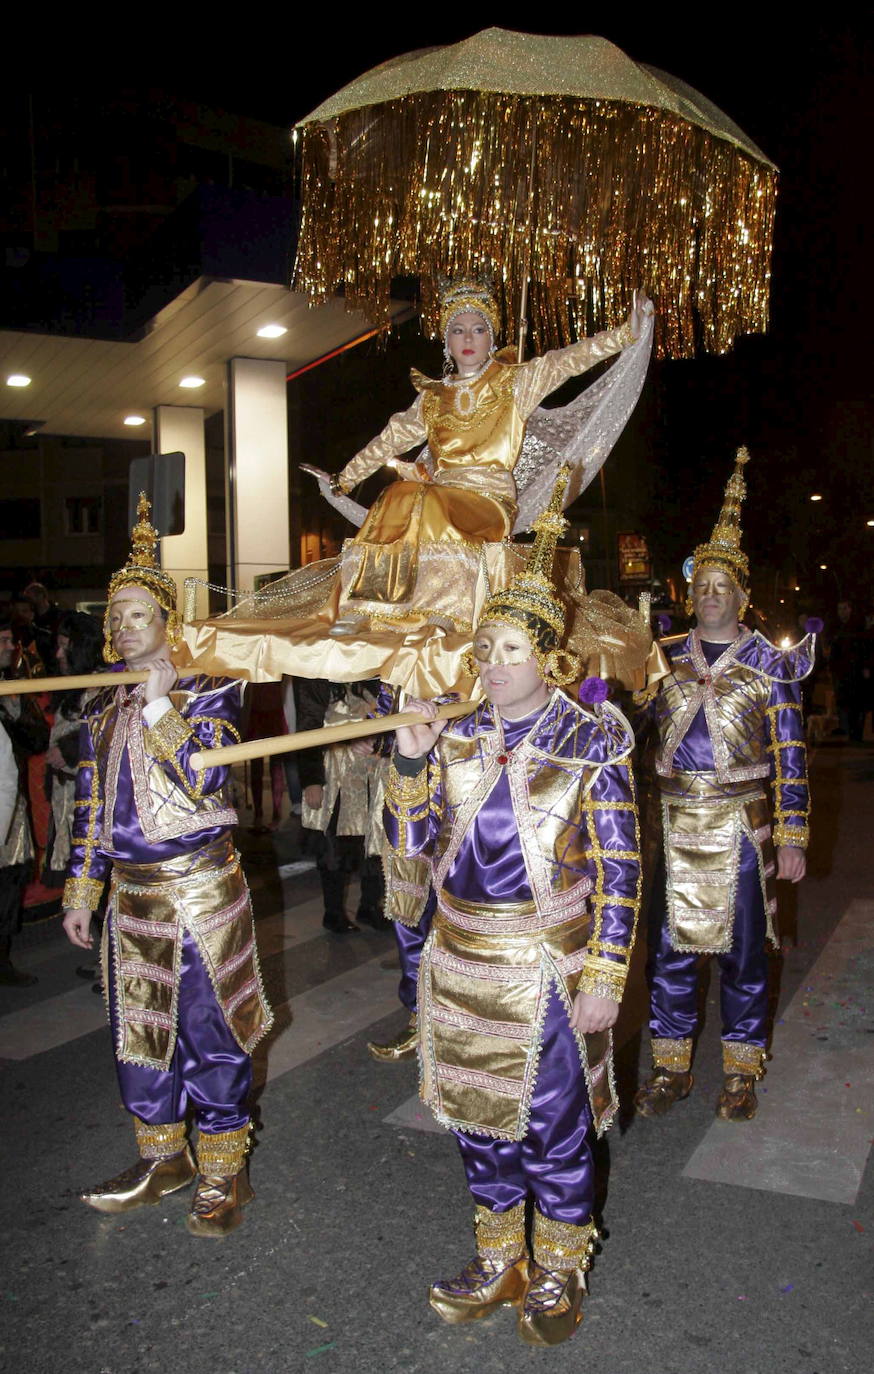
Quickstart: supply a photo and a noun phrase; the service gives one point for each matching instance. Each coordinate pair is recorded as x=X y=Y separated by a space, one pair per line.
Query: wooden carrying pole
x=319 y=739
x=23 y=686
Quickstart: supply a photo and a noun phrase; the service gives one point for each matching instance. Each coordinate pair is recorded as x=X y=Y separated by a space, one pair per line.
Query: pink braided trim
x=224 y=917
x=473 y=1078
x=236 y=961
x=136 y=968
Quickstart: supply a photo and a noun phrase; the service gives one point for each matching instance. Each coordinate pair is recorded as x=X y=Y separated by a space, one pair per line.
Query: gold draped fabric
x=287 y=630
x=151 y=907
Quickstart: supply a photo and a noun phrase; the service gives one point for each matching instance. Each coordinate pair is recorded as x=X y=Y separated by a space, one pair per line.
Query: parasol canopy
x=559 y=160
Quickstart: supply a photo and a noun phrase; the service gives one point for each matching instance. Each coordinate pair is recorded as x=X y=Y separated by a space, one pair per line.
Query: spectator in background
x=265 y=720
x=342 y=798
x=47 y=614
x=35 y=644
x=847 y=664
x=79 y=650
x=27 y=732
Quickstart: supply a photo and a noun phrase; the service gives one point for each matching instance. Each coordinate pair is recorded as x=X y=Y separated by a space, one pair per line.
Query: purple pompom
x=664 y=623
x=593 y=690
x=813 y=625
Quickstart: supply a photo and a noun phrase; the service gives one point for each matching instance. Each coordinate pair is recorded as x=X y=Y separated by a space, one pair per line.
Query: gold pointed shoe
x=661 y=1090
x=481 y=1286
x=401 y=1046
x=218 y=1203
x=737 y=1101
x=551 y=1306
x=145 y=1183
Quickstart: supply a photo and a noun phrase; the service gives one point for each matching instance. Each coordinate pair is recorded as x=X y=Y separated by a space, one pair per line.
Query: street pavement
x=736 y=1249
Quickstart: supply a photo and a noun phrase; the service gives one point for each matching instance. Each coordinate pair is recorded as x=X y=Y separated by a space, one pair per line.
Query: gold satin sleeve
x=403 y=430
x=540 y=376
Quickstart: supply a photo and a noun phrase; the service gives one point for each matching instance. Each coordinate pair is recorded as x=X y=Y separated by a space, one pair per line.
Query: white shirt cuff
x=154 y=710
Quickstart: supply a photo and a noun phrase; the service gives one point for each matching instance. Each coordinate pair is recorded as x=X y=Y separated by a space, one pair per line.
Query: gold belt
x=207 y=861
x=706 y=787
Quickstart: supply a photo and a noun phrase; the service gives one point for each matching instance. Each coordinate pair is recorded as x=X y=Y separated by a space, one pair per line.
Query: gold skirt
x=485 y=980
x=409 y=515
x=151 y=907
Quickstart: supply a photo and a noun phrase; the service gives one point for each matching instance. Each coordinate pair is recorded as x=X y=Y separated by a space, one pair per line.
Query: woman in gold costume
x=426 y=530
x=401 y=600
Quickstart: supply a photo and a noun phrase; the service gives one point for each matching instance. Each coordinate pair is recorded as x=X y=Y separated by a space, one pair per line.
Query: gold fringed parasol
x=422 y=167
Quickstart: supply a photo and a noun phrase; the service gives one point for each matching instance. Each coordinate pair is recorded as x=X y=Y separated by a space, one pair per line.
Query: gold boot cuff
x=159 y=1142
x=500 y=1236
x=739 y=1057
x=560 y=1245
x=675 y=1055
x=222 y=1153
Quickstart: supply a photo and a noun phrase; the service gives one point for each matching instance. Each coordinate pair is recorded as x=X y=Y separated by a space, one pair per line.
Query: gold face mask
x=501 y=645
x=128 y=614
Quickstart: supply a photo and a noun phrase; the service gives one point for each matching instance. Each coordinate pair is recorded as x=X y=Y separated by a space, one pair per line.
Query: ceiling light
x=869 y=522
x=193 y=382
x=823 y=566
x=18 y=379
x=135 y=419
x=816 y=497
x=272 y=331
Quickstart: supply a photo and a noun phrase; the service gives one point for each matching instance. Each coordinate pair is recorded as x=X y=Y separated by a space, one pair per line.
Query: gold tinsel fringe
x=624 y=196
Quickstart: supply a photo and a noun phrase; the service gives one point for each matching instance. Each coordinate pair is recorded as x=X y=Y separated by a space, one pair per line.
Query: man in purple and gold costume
x=526 y=809
x=728 y=720
x=184 y=990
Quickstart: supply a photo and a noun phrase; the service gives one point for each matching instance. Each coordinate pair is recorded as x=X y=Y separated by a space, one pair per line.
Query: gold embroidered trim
x=500 y=1236
x=740 y=1057
x=223 y=1153
x=675 y=1055
x=601 y=979
x=159 y=1142
x=89 y=840
x=166 y=737
x=404 y=794
x=796 y=836
x=561 y=1245
x=82 y=892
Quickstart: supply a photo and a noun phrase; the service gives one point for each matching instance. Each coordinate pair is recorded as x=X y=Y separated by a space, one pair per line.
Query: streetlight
x=816 y=497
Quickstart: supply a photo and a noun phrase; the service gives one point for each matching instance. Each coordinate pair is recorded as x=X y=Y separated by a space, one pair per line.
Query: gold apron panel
x=151 y=906
x=702 y=861
x=482 y=1002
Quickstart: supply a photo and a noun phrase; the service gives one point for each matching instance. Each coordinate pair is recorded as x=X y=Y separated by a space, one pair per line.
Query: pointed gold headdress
x=531 y=602
x=469 y=294
x=142 y=569
x=723 y=549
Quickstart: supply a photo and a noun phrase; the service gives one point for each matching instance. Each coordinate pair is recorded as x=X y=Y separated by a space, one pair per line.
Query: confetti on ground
x=209 y=1295
x=859 y=1227
x=787 y=1288
x=741 y=1297
x=318 y=1321
x=320 y=1349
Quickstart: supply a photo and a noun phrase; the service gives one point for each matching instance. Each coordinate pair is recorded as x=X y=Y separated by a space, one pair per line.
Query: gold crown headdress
x=142 y=569
x=468 y=294
x=723 y=549
x=531 y=602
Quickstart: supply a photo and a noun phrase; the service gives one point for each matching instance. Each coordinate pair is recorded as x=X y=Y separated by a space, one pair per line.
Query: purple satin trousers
x=554 y=1161
x=208 y=1070
x=410 y=940
x=673 y=976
